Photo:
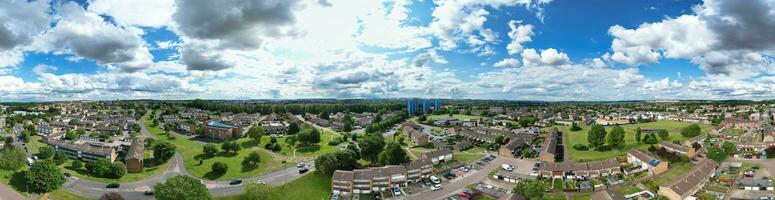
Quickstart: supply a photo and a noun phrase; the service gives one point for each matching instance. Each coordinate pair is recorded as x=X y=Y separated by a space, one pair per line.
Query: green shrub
x=580 y=147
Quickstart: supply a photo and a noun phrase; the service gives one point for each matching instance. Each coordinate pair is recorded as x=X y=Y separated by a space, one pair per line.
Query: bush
x=12 y=159
x=575 y=127
x=603 y=148
x=220 y=167
x=335 y=141
x=77 y=164
x=580 y=147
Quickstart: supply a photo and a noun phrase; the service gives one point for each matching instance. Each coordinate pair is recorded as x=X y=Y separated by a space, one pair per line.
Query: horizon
x=534 y=50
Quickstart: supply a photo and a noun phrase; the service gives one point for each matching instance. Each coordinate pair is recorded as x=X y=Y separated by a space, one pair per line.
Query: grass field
x=305 y=151
x=580 y=137
x=192 y=150
x=67 y=167
x=34 y=144
x=458 y=116
x=312 y=186
x=629 y=189
x=466 y=157
x=15 y=180
x=582 y=196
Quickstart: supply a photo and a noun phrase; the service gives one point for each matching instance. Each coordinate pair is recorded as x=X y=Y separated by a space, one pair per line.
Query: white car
x=396 y=192
x=463 y=169
x=534 y=173
x=435 y=180
x=507 y=167
x=436 y=187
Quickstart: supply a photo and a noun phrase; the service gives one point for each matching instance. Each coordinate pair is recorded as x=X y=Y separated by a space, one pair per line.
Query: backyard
x=580 y=137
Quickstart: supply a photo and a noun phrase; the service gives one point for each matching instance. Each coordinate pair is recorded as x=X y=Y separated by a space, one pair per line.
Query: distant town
x=390 y=149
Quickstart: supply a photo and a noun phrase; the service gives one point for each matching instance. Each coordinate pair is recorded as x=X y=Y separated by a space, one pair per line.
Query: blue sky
x=551 y=50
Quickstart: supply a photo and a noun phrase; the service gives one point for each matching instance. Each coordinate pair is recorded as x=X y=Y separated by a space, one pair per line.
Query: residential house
x=222 y=131
x=688 y=151
x=440 y=156
x=342 y=182
x=274 y=127
x=690 y=182
x=83 y=151
x=134 y=156
x=548 y=149
x=643 y=161
x=419 y=168
x=415 y=133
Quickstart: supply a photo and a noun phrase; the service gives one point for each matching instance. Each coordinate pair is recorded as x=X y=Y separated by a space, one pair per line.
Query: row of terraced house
x=365 y=181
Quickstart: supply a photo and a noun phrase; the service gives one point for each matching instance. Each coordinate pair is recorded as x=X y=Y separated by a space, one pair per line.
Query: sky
x=545 y=50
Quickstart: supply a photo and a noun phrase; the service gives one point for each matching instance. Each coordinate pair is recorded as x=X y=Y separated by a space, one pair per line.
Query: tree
x=371 y=145
x=530 y=189
x=324 y=115
x=163 y=151
x=729 y=147
x=220 y=167
x=255 y=133
x=252 y=159
x=347 y=122
x=309 y=135
x=345 y=159
x=650 y=139
x=99 y=168
x=393 y=155
x=46 y=152
x=293 y=128
x=77 y=164
x=210 y=150
x=575 y=127
x=616 y=137
x=12 y=158
x=111 y=196
x=716 y=154
x=118 y=170
x=422 y=118
x=637 y=134
x=181 y=187
x=70 y=136
x=499 y=139
x=60 y=158
x=8 y=142
x=663 y=134
x=230 y=146
x=44 y=176
x=596 y=137
x=691 y=130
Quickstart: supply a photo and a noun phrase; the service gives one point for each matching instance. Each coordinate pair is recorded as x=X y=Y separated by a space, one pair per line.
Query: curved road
x=136 y=190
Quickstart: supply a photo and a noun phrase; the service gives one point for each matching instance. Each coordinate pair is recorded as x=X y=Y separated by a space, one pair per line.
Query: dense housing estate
x=364 y=181
x=690 y=182
x=643 y=161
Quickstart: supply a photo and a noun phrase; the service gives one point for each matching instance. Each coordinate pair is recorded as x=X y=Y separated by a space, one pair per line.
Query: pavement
x=7 y=193
x=458 y=185
x=136 y=190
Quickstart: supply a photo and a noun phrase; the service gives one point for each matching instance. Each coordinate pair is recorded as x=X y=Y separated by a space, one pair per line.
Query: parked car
x=334 y=197
x=376 y=195
x=507 y=167
x=301 y=164
x=480 y=162
x=463 y=169
x=303 y=169
x=235 y=182
x=396 y=191
x=533 y=173
x=113 y=185
x=435 y=180
x=436 y=187
x=426 y=181
x=68 y=174
x=450 y=175
x=148 y=192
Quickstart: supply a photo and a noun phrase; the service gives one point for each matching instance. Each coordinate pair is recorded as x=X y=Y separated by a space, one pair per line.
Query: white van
x=507 y=167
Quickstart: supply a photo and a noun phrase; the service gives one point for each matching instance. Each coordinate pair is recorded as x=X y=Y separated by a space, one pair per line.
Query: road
x=135 y=190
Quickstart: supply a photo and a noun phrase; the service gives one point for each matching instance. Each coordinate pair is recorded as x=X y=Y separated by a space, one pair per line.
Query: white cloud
x=145 y=13
x=507 y=62
x=519 y=34
x=548 y=56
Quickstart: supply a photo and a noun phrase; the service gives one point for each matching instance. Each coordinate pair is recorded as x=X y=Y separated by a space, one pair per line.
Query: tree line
x=293 y=108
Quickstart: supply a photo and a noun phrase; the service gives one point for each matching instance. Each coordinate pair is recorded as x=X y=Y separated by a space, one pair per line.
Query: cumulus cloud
x=456 y=21
x=20 y=22
x=548 y=56
x=233 y=23
x=507 y=62
x=519 y=34
x=722 y=36
x=202 y=59
x=87 y=35
x=145 y=13
x=430 y=56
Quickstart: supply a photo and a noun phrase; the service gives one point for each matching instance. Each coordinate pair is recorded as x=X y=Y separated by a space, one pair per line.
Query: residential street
x=6 y=193
x=454 y=187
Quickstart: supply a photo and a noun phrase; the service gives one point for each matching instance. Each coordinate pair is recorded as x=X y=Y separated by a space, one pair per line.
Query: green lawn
x=192 y=150
x=733 y=131
x=466 y=157
x=484 y=197
x=629 y=189
x=311 y=186
x=305 y=151
x=673 y=174
x=15 y=180
x=34 y=144
x=554 y=196
x=580 y=137
x=582 y=196
x=148 y=171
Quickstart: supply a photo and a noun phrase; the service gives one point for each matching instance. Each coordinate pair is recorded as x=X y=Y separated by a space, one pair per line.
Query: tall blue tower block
x=426 y=105
x=437 y=104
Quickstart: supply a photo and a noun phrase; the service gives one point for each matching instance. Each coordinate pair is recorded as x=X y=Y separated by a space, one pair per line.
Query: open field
x=311 y=186
x=580 y=137
x=192 y=151
x=34 y=144
x=303 y=151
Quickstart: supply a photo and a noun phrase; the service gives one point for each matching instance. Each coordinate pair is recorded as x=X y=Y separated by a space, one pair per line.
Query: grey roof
x=550 y=142
x=751 y=182
x=675 y=146
x=418 y=164
x=696 y=176
x=643 y=157
x=137 y=149
x=363 y=174
x=438 y=153
x=81 y=147
x=342 y=175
